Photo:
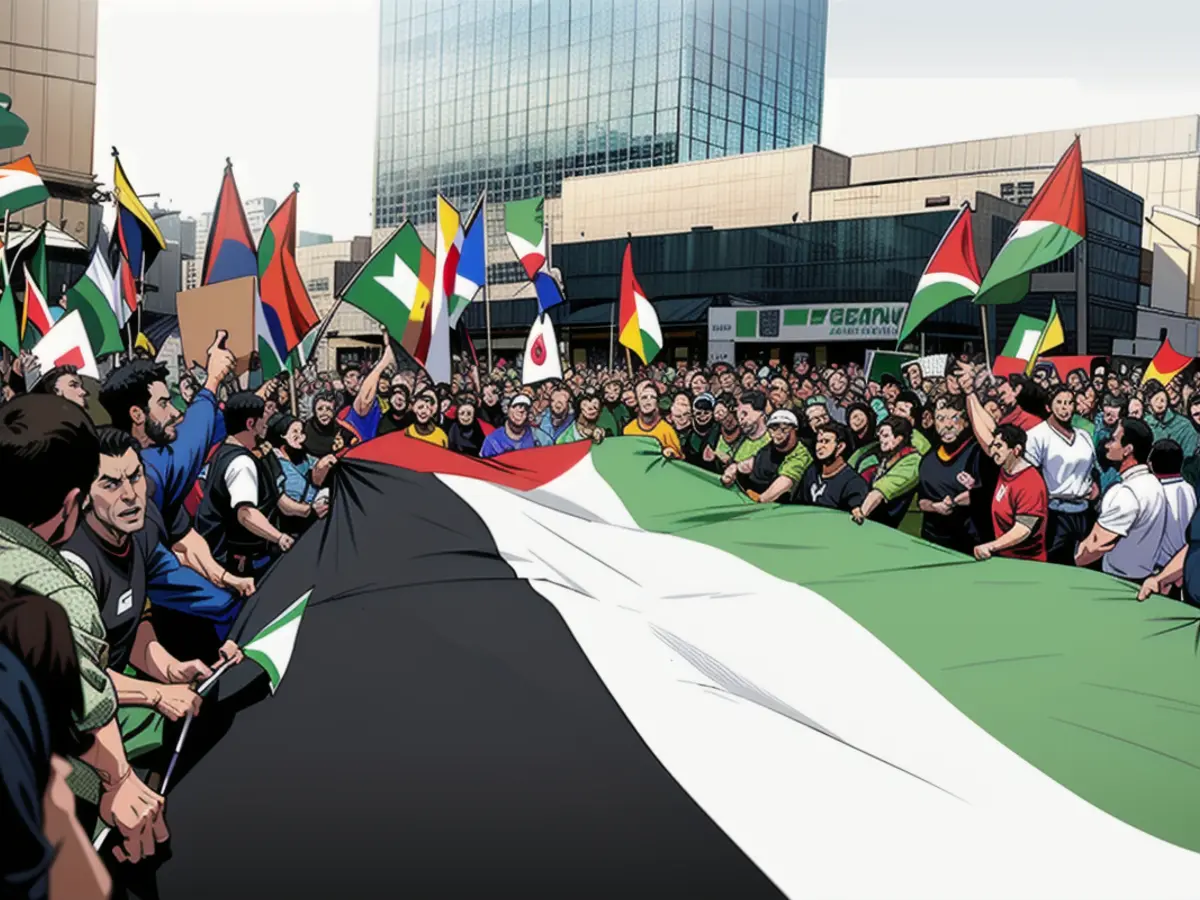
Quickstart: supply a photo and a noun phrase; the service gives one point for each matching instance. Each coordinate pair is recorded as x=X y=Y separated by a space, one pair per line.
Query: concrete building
x=258 y=212
x=1173 y=309
x=352 y=336
x=48 y=68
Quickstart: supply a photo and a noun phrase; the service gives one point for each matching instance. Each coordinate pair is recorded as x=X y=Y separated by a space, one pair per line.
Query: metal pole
x=487 y=318
x=612 y=334
x=1081 y=299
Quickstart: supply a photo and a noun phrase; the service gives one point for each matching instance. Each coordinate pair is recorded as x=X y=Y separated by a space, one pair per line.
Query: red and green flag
x=952 y=274
x=394 y=285
x=1053 y=224
x=1167 y=363
x=285 y=312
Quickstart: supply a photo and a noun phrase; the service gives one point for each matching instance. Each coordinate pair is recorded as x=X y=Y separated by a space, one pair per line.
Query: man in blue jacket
x=182 y=574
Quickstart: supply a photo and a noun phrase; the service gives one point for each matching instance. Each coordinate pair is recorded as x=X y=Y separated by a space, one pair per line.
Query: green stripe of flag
x=1061 y=665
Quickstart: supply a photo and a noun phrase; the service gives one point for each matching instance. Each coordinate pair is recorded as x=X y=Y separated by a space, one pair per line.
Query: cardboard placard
x=206 y=310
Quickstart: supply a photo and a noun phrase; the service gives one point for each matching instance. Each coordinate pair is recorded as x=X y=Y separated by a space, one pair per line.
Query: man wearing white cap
x=778 y=467
x=516 y=433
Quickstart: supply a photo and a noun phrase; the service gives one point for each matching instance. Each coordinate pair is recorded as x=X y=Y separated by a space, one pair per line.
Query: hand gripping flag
x=532 y=635
x=1053 y=224
x=952 y=274
x=230 y=252
x=1167 y=363
x=638 y=328
x=541 y=361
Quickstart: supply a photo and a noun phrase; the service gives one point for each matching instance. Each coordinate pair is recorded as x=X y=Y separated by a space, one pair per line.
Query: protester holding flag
x=364 y=414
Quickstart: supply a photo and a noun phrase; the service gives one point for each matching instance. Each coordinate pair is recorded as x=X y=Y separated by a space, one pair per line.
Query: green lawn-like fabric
x=1062 y=665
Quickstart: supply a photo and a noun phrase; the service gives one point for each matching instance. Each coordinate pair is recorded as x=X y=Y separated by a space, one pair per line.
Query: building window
x=1008 y=191
x=318 y=286
x=1025 y=192
x=932 y=202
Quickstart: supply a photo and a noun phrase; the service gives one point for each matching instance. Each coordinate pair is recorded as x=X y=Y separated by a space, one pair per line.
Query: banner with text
x=808 y=324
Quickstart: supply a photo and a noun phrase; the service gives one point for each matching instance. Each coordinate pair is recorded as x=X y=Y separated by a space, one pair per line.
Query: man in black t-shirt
x=119 y=532
x=950 y=477
x=781 y=464
x=830 y=482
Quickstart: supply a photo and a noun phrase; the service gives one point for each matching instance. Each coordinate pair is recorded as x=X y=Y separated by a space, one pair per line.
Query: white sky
x=287 y=87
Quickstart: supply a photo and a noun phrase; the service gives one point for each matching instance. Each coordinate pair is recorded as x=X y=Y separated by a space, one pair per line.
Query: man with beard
x=183 y=576
x=323 y=434
x=1066 y=457
x=779 y=394
x=704 y=431
x=50 y=454
x=614 y=415
x=489 y=410
x=915 y=378
x=241 y=499
x=424 y=426
x=586 y=424
x=729 y=434
x=779 y=466
x=1164 y=422
x=650 y=423
x=1022 y=402
x=516 y=433
x=351 y=382
x=752 y=421
x=908 y=406
x=466 y=434
x=398 y=416
x=556 y=419
x=894 y=478
x=114 y=546
x=832 y=483
x=949 y=478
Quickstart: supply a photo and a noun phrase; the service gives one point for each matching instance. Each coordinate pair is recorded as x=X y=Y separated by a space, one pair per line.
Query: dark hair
x=326 y=397
x=240 y=408
x=38 y=632
x=1166 y=457
x=48 y=448
x=887 y=379
x=466 y=399
x=1061 y=388
x=277 y=428
x=189 y=378
x=901 y=428
x=50 y=379
x=1031 y=397
x=128 y=387
x=756 y=400
x=1013 y=435
x=1152 y=388
x=866 y=411
x=841 y=434
x=956 y=402
x=1112 y=400
x=429 y=395
x=1137 y=434
x=910 y=398
x=401 y=389
x=727 y=399
x=115 y=442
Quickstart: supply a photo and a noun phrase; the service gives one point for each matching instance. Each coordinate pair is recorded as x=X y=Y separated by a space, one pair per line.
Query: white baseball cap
x=520 y=400
x=783 y=417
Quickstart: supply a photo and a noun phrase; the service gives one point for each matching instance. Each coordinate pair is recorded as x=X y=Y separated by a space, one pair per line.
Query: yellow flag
x=1052 y=336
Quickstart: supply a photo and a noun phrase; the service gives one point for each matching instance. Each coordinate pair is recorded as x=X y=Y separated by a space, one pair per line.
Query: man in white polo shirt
x=1166 y=462
x=1133 y=514
x=1066 y=457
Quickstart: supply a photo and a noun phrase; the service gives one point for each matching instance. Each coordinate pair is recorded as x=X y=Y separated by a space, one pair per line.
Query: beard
x=159 y=435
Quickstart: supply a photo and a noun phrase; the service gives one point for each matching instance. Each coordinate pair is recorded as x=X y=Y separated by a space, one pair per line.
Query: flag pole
x=141 y=295
x=629 y=362
x=612 y=334
x=987 y=353
x=7 y=276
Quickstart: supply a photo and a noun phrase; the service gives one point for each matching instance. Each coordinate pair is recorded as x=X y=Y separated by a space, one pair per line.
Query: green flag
x=396 y=280
x=10 y=332
x=95 y=296
x=272 y=647
x=1022 y=340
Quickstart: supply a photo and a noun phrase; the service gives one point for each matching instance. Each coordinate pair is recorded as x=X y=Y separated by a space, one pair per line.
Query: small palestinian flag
x=272 y=647
x=1053 y=224
x=36 y=320
x=952 y=274
x=588 y=672
x=524 y=222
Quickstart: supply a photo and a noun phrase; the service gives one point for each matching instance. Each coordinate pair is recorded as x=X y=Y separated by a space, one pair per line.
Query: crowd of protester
x=128 y=548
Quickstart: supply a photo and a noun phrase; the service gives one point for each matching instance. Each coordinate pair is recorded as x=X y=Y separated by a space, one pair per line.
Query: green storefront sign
x=808 y=324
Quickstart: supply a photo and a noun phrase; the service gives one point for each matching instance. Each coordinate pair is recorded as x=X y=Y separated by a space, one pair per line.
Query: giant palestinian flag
x=589 y=672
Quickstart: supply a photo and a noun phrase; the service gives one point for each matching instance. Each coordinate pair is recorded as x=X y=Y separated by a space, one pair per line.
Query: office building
x=48 y=68
x=258 y=213
x=541 y=91
x=311 y=238
x=352 y=336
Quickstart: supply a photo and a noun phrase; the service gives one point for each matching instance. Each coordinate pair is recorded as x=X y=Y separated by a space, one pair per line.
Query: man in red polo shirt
x=1020 y=504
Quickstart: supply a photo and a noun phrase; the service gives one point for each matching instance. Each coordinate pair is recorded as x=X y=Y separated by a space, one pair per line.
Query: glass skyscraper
x=516 y=95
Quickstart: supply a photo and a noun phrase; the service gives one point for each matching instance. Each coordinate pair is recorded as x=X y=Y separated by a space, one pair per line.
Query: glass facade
x=516 y=95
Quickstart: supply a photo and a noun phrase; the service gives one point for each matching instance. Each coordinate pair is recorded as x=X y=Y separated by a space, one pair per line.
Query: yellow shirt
x=436 y=437
x=666 y=436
